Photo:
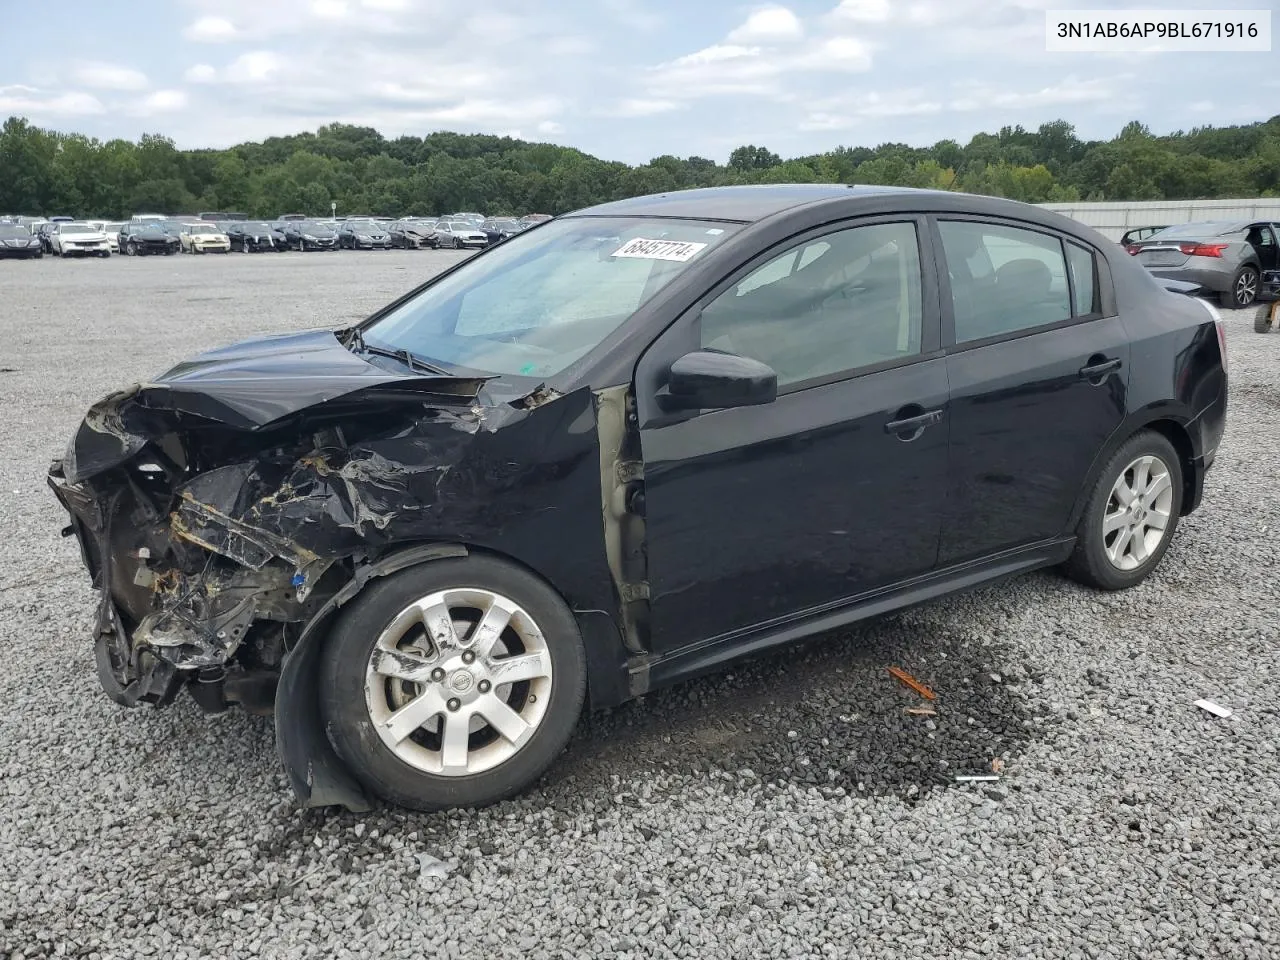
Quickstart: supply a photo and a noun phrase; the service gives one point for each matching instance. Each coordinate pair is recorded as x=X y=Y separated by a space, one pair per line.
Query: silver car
x=1226 y=257
x=455 y=234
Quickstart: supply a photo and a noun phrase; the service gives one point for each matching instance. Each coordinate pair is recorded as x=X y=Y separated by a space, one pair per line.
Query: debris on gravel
x=787 y=807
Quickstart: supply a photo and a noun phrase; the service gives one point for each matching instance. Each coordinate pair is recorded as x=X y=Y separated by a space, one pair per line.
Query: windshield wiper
x=358 y=344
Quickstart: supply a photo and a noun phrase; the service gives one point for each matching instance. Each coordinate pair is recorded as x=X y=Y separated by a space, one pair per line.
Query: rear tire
x=1244 y=289
x=1119 y=544
x=1265 y=320
x=408 y=766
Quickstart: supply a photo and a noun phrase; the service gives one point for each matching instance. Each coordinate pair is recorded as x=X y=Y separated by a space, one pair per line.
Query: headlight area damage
x=218 y=525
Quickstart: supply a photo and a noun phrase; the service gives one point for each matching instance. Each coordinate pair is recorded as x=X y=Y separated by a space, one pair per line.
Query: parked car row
x=149 y=233
x=1224 y=258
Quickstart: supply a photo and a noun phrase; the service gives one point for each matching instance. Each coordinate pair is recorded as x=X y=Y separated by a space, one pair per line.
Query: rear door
x=1038 y=367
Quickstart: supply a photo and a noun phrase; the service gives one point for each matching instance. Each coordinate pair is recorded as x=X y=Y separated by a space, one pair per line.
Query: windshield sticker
x=641 y=249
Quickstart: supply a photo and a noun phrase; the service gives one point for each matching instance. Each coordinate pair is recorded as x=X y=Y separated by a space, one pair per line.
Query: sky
x=621 y=79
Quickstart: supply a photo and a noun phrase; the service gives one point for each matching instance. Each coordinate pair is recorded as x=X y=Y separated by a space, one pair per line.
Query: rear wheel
x=1267 y=317
x=1244 y=289
x=453 y=684
x=1131 y=516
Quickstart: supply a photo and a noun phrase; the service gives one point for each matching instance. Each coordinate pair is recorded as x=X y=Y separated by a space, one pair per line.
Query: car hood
x=96 y=237
x=248 y=386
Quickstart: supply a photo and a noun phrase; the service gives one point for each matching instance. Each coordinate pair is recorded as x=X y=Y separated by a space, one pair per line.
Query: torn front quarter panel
x=220 y=508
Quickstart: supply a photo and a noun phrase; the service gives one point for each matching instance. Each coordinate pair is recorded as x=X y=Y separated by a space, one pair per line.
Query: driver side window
x=825 y=306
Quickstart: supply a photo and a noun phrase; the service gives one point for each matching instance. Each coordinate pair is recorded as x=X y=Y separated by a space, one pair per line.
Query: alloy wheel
x=1246 y=288
x=1138 y=513
x=458 y=682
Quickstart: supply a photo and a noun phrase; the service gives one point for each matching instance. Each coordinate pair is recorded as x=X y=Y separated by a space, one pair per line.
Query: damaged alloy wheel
x=455 y=683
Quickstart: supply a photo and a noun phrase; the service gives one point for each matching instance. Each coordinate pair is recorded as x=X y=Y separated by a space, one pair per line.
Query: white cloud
x=329 y=9
x=1071 y=90
x=388 y=6
x=848 y=111
x=164 y=100
x=109 y=76
x=550 y=127
x=211 y=30
x=768 y=24
x=862 y=10
x=200 y=73
x=33 y=102
x=643 y=108
x=254 y=66
x=838 y=53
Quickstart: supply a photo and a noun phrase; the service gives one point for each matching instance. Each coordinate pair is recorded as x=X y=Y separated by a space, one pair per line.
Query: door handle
x=1097 y=371
x=908 y=428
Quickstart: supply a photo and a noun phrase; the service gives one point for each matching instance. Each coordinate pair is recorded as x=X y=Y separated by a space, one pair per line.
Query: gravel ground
x=788 y=808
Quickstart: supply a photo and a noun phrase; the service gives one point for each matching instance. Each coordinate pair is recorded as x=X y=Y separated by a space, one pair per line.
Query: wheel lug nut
x=483 y=686
x=468 y=657
x=437 y=674
x=454 y=703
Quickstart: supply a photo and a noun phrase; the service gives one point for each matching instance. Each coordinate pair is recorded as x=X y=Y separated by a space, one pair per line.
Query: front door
x=1038 y=367
x=756 y=514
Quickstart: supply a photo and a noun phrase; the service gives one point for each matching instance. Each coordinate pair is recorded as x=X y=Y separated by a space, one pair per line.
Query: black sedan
x=250 y=236
x=302 y=235
x=363 y=235
x=623 y=449
x=412 y=234
x=499 y=229
x=147 y=236
x=17 y=241
x=44 y=233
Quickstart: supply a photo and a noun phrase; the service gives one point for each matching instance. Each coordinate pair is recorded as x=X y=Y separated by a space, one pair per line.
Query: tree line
x=51 y=173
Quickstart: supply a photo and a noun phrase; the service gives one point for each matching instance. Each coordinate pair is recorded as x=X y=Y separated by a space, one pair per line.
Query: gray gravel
x=788 y=808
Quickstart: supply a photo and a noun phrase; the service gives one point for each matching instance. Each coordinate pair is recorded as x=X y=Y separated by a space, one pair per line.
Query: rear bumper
x=1214 y=280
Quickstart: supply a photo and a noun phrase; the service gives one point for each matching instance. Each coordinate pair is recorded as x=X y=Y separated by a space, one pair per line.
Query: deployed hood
x=245 y=386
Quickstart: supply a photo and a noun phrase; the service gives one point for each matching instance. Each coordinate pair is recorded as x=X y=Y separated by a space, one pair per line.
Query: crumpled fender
x=316 y=773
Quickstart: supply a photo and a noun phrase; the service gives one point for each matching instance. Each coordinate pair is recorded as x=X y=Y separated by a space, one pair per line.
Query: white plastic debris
x=431 y=868
x=1208 y=706
x=977 y=778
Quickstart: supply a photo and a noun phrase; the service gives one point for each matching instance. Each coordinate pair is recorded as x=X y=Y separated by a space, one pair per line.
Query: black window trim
x=930 y=295
x=946 y=304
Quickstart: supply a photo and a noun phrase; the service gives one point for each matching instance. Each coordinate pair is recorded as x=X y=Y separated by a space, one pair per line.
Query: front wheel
x=453 y=684
x=1131 y=515
x=1244 y=289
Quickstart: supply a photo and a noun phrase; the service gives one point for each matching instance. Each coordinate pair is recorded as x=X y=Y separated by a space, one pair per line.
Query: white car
x=79 y=239
x=112 y=229
x=203 y=238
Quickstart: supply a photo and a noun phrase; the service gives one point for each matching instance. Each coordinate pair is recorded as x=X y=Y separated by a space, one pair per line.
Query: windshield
x=540 y=301
x=114 y=227
x=75 y=228
x=205 y=231
x=313 y=227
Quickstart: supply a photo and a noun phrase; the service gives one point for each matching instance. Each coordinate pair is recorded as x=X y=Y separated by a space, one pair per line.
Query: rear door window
x=1004 y=279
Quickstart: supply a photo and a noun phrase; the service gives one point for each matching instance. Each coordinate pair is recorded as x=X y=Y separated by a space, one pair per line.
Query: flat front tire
x=1131 y=515
x=452 y=684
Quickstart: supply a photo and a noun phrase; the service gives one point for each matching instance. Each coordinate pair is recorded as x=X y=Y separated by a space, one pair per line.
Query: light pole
x=333 y=209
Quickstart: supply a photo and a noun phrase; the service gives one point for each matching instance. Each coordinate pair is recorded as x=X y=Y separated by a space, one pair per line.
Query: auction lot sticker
x=641 y=249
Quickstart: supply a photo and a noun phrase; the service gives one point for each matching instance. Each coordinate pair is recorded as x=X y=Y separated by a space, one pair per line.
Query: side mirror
x=710 y=380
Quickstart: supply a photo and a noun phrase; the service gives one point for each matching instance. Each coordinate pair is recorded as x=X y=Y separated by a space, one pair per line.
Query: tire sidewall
x=342 y=684
x=1144 y=443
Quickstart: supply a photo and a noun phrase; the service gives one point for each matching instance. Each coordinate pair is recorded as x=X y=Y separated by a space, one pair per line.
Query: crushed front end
x=214 y=527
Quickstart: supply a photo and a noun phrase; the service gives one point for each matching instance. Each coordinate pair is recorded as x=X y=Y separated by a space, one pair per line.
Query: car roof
x=745 y=204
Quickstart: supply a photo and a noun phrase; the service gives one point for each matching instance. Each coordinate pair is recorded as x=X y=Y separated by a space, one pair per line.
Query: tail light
x=1133 y=249
x=1203 y=249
